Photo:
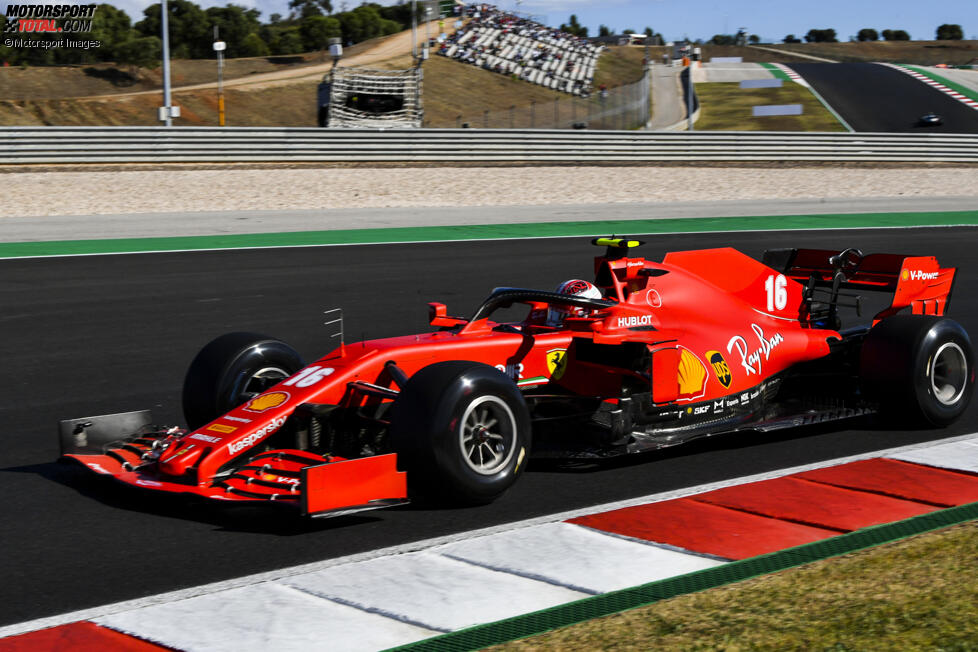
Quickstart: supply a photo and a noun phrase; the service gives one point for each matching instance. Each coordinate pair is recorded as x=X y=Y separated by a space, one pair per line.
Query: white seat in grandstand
x=511 y=45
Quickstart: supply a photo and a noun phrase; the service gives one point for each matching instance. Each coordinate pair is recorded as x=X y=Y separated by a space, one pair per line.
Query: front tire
x=919 y=367
x=462 y=431
x=232 y=369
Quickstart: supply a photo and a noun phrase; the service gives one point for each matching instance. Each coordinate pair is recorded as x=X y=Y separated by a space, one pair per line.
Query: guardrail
x=47 y=145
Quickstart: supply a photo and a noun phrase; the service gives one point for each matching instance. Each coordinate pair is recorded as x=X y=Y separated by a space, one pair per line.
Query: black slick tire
x=232 y=369
x=919 y=368
x=462 y=432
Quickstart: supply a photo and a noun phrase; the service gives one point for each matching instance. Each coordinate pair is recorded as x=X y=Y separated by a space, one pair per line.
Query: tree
x=948 y=32
x=190 y=31
x=234 y=24
x=306 y=8
x=112 y=27
x=649 y=33
x=362 y=23
x=317 y=30
x=603 y=30
x=754 y=39
x=140 y=52
x=791 y=38
x=821 y=36
x=254 y=46
x=895 y=35
x=574 y=28
x=722 y=39
x=868 y=34
x=289 y=41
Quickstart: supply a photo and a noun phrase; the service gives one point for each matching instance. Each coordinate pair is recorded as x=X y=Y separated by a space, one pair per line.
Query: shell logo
x=692 y=375
x=906 y=275
x=266 y=401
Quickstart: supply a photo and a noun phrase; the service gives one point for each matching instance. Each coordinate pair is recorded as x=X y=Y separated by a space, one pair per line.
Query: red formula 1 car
x=650 y=355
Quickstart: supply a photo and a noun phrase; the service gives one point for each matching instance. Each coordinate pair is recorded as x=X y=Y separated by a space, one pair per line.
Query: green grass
x=919 y=52
x=915 y=594
x=727 y=107
x=964 y=90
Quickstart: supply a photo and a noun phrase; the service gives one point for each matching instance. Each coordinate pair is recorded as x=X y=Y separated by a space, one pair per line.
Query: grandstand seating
x=511 y=45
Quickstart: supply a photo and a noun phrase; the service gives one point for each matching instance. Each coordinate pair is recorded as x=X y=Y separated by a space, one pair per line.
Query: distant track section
x=120 y=145
x=876 y=98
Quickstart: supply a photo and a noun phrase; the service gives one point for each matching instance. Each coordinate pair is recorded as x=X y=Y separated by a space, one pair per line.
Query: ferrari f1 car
x=651 y=354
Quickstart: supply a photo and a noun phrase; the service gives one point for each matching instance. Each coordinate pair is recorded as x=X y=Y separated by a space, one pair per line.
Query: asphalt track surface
x=875 y=98
x=101 y=334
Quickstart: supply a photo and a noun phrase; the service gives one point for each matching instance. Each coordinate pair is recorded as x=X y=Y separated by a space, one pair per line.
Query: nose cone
x=180 y=458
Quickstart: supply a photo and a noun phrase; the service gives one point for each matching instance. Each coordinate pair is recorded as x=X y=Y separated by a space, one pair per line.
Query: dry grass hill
x=281 y=91
x=106 y=95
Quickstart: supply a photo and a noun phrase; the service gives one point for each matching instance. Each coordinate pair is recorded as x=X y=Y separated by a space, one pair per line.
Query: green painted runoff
x=486 y=232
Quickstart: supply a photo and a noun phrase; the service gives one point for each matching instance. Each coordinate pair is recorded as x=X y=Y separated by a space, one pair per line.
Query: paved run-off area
x=401 y=597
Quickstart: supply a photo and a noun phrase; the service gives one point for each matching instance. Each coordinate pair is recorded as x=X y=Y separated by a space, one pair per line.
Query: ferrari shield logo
x=556 y=363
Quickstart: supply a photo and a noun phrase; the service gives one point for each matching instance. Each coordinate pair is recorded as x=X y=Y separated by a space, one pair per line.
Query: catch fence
x=620 y=108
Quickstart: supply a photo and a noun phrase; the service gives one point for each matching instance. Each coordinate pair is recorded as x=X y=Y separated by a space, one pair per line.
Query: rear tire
x=232 y=369
x=462 y=432
x=919 y=368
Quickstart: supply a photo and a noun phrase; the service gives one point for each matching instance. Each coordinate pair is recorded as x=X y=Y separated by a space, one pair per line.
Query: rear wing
x=917 y=282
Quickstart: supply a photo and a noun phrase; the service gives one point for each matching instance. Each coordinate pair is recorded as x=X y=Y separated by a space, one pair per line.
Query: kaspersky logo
x=238 y=446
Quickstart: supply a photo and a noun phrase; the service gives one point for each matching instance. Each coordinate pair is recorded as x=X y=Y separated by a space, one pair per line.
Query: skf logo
x=918 y=275
x=634 y=320
x=692 y=375
x=556 y=363
x=267 y=401
x=720 y=368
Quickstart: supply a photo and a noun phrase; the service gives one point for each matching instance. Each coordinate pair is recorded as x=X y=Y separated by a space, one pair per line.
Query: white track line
x=163 y=598
x=515 y=237
x=967 y=101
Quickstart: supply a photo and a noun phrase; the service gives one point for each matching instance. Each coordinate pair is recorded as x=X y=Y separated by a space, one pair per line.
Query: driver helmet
x=574 y=287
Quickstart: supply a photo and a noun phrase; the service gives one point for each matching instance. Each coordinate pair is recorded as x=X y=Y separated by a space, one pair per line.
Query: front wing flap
x=123 y=447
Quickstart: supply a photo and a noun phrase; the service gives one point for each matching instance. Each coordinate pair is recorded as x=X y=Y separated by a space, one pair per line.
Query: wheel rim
x=260 y=381
x=948 y=373
x=487 y=435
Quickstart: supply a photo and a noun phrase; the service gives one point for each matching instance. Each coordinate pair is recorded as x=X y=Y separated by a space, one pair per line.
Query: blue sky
x=674 y=19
